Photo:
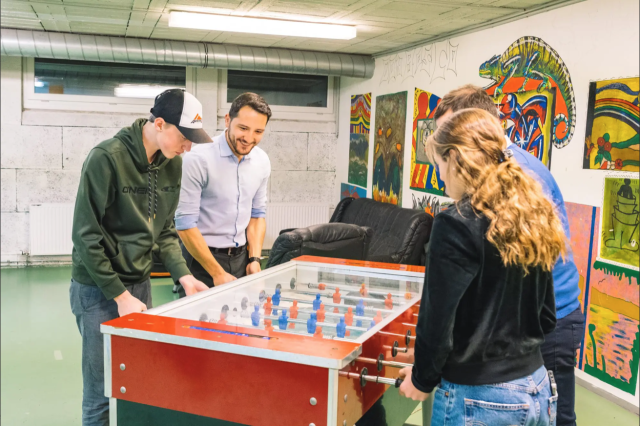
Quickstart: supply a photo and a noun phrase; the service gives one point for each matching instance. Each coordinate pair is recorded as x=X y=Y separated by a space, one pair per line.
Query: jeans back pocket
x=482 y=413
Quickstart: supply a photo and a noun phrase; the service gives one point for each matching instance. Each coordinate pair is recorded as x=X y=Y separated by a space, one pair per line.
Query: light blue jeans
x=524 y=402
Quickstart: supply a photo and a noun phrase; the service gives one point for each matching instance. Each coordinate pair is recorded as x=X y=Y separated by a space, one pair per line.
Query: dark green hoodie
x=124 y=210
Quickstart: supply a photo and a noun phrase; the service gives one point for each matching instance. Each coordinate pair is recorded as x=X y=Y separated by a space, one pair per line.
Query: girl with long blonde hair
x=488 y=297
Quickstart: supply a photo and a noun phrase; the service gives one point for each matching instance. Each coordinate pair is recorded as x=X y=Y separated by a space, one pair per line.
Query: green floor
x=41 y=378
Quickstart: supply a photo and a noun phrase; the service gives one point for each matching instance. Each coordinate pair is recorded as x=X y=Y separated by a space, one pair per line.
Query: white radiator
x=50 y=224
x=285 y=216
x=50 y=229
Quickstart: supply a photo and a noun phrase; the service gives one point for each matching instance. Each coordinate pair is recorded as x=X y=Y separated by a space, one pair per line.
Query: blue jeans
x=91 y=309
x=525 y=402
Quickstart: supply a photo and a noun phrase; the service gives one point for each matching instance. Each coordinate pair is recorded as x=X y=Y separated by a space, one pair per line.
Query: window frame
x=84 y=103
x=282 y=112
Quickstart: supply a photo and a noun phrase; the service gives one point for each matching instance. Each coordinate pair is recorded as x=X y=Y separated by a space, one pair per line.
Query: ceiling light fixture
x=240 y=24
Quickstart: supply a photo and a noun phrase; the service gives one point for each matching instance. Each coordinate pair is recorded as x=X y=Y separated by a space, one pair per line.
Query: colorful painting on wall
x=528 y=120
x=610 y=349
x=611 y=138
x=359 y=129
x=390 y=119
x=619 y=242
x=530 y=64
x=424 y=176
x=347 y=190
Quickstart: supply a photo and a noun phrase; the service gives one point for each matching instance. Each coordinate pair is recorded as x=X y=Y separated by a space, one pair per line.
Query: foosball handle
x=398 y=382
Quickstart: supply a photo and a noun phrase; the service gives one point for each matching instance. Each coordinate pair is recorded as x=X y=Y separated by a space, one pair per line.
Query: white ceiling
x=383 y=25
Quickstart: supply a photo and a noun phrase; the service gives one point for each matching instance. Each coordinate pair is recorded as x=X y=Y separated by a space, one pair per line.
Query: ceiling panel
x=383 y=25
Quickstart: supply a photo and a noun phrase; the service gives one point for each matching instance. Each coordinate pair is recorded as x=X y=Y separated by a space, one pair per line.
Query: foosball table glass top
x=312 y=299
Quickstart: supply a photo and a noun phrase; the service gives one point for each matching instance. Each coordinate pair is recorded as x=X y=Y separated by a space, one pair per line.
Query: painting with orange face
x=390 y=120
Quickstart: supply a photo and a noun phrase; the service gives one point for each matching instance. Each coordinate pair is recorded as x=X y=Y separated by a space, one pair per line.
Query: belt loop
x=229 y=251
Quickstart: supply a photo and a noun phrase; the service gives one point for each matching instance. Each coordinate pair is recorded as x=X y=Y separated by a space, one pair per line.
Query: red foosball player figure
x=378 y=317
x=293 y=313
x=321 y=286
x=321 y=312
x=267 y=325
x=363 y=290
x=267 y=306
x=388 y=302
x=223 y=318
x=348 y=317
x=336 y=299
x=407 y=296
x=318 y=333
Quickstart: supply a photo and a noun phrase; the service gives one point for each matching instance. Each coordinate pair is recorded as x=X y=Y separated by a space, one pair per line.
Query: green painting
x=619 y=230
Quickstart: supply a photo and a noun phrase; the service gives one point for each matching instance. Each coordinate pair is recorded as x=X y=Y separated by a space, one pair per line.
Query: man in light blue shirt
x=223 y=199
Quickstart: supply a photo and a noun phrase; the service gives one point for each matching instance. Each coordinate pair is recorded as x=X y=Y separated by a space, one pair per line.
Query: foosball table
x=313 y=342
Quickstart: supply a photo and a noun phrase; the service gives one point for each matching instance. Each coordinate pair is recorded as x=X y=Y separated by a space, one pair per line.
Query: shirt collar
x=225 y=151
x=509 y=143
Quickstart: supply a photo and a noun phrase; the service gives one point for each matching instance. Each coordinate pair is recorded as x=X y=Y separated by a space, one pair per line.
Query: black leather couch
x=398 y=235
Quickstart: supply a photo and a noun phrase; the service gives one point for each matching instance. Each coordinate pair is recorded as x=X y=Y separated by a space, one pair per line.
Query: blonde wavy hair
x=523 y=224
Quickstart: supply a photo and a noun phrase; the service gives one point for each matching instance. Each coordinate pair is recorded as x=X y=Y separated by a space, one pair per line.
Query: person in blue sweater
x=560 y=346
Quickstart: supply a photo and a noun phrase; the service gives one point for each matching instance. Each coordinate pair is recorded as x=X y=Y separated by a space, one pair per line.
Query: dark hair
x=255 y=101
x=467 y=96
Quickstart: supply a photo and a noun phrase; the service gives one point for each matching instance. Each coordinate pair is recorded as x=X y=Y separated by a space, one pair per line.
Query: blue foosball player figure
x=316 y=303
x=276 y=297
x=341 y=328
x=255 y=316
x=311 y=324
x=360 y=308
x=282 y=321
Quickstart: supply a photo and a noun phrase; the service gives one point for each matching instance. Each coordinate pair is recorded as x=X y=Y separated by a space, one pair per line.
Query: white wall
x=597 y=39
x=43 y=152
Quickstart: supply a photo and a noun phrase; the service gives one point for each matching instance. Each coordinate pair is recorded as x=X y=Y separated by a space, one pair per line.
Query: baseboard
x=23 y=261
x=607 y=395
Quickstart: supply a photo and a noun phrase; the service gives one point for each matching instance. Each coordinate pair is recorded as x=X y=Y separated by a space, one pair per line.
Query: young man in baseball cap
x=128 y=194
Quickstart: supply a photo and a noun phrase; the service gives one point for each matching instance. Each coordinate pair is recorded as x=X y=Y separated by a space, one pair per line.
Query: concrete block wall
x=43 y=152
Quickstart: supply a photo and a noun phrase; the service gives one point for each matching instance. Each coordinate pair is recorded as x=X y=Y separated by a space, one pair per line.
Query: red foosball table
x=312 y=342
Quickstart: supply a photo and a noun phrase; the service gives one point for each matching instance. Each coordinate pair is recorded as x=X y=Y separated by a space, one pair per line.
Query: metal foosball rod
x=366 y=299
x=333 y=305
x=319 y=324
x=322 y=286
x=364 y=377
x=407 y=337
x=334 y=315
x=380 y=362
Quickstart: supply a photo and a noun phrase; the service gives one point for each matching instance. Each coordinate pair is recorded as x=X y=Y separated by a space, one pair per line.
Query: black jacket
x=480 y=322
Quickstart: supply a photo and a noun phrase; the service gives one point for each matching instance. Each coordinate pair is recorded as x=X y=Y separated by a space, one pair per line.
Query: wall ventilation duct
x=83 y=47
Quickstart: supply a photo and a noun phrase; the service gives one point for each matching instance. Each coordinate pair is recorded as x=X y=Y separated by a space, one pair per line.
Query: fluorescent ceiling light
x=139 y=90
x=238 y=24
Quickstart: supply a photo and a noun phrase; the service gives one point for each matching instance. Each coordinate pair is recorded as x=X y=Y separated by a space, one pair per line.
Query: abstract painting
x=609 y=350
x=424 y=176
x=527 y=118
x=426 y=203
x=390 y=120
x=611 y=138
x=530 y=64
x=619 y=241
x=359 y=129
x=347 y=190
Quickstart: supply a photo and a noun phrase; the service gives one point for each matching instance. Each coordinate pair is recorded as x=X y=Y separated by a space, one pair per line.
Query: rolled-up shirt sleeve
x=259 y=204
x=194 y=178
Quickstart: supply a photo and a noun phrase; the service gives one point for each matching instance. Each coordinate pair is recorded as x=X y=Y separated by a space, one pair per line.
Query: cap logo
x=197 y=119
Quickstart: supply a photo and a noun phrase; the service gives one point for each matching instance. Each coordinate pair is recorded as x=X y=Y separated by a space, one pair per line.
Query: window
x=280 y=89
x=296 y=97
x=98 y=86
